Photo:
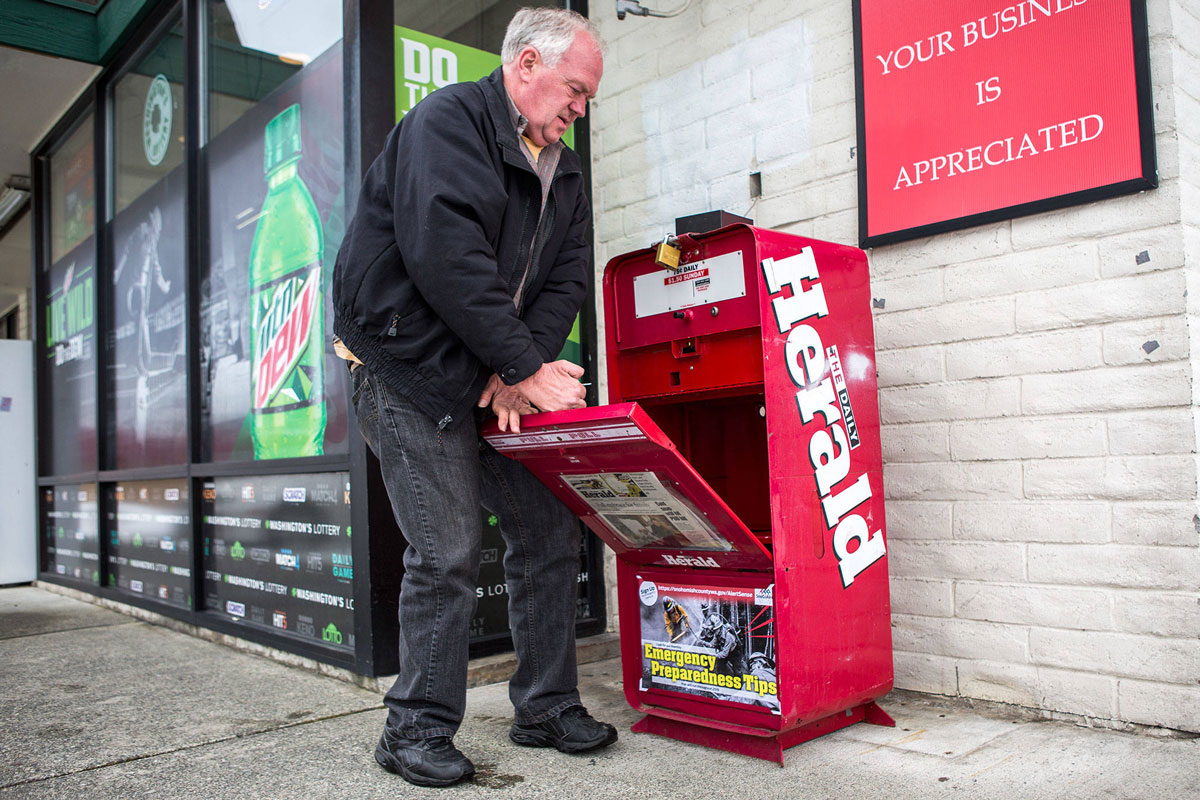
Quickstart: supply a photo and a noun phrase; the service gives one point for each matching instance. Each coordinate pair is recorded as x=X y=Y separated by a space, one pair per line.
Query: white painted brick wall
x=913 y=365
x=1022 y=604
x=958 y=400
x=910 y=519
x=1115 y=389
x=927 y=598
x=1157 y=614
x=1145 y=341
x=981 y=561
x=949 y=322
x=1027 y=437
x=925 y=673
x=1024 y=521
x=1047 y=267
x=1152 y=295
x=960 y=638
x=1158 y=703
x=1039 y=687
x=1113 y=478
x=1156 y=523
x=1051 y=351
x=1159 y=248
x=953 y=480
x=1132 y=566
x=1036 y=375
x=1123 y=655
x=1161 y=430
x=922 y=441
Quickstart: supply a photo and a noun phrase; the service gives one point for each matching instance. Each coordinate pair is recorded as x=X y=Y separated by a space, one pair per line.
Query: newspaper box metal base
x=738 y=478
x=751 y=741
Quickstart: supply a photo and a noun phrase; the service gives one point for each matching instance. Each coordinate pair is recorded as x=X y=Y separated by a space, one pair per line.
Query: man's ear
x=527 y=59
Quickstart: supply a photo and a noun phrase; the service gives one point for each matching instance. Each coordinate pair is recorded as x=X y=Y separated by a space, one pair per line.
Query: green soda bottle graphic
x=287 y=355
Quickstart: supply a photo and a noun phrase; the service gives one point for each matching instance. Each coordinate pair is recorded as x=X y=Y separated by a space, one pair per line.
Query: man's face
x=554 y=97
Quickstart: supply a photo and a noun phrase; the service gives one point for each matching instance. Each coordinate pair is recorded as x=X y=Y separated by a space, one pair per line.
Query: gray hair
x=550 y=31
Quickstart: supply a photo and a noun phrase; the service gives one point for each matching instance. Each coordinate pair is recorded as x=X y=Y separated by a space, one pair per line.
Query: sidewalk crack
x=69 y=630
x=187 y=747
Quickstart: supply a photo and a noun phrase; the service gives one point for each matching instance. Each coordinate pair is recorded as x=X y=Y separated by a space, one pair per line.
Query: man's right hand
x=554 y=387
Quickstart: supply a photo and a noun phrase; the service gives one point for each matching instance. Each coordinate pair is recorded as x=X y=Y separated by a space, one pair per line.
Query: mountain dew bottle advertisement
x=287 y=378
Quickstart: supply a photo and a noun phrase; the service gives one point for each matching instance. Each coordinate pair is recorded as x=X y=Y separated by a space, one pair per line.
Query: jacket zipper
x=535 y=249
x=531 y=268
x=447 y=419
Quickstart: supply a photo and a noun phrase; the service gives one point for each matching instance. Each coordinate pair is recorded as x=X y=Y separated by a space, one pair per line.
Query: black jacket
x=424 y=281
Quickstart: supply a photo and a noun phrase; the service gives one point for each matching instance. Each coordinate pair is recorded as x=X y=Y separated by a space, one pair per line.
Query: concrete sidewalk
x=98 y=704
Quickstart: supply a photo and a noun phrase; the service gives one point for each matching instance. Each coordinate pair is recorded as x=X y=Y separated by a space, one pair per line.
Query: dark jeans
x=436 y=481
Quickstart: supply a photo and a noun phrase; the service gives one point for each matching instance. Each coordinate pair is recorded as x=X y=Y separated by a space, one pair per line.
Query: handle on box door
x=684 y=348
x=686 y=316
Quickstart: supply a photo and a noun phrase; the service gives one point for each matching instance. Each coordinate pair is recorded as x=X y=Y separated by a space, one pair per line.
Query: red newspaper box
x=738 y=477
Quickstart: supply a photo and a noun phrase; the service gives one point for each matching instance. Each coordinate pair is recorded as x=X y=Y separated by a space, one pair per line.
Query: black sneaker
x=572 y=731
x=424 y=762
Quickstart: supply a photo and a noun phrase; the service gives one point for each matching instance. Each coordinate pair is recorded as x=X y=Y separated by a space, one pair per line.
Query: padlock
x=667 y=254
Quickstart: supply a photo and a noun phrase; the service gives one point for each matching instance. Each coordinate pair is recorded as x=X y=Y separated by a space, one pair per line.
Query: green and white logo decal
x=156 y=120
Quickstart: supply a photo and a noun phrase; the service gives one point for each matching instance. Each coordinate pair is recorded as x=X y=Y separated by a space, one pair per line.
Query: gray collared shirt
x=547 y=161
x=543 y=166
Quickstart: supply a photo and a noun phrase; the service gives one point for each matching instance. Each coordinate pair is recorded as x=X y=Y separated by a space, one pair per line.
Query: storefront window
x=266 y=548
x=147 y=363
x=150 y=537
x=475 y=23
x=255 y=46
x=277 y=555
x=71 y=549
x=68 y=342
x=437 y=46
x=148 y=120
x=73 y=191
x=272 y=385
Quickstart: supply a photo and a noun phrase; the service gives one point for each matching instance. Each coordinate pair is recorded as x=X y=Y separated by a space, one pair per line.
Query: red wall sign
x=971 y=111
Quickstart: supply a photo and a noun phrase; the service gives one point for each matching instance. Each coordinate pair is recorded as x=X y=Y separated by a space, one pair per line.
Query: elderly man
x=454 y=290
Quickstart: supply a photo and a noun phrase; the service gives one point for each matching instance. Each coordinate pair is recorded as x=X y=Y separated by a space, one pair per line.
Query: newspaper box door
x=615 y=469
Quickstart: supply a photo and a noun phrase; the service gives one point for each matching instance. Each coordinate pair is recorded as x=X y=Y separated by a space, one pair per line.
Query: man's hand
x=507 y=403
x=554 y=387
x=494 y=385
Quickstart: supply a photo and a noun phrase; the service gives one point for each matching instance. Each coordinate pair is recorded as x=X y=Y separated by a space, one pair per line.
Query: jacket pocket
x=391 y=252
x=407 y=329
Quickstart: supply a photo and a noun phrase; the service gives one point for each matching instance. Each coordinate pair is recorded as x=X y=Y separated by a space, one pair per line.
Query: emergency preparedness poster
x=241 y=272
x=709 y=641
x=68 y=396
x=147 y=375
x=149 y=549
x=977 y=110
x=277 y=555
x=71 y=540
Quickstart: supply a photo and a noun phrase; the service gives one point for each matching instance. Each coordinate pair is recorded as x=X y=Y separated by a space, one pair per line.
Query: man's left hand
x=508 y=404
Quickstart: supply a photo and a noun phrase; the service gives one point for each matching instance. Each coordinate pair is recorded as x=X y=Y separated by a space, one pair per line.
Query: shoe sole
x=538 y=739
x=393 y=765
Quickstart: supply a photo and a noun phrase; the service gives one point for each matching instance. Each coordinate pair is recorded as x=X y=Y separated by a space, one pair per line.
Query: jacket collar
x=499 y=108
